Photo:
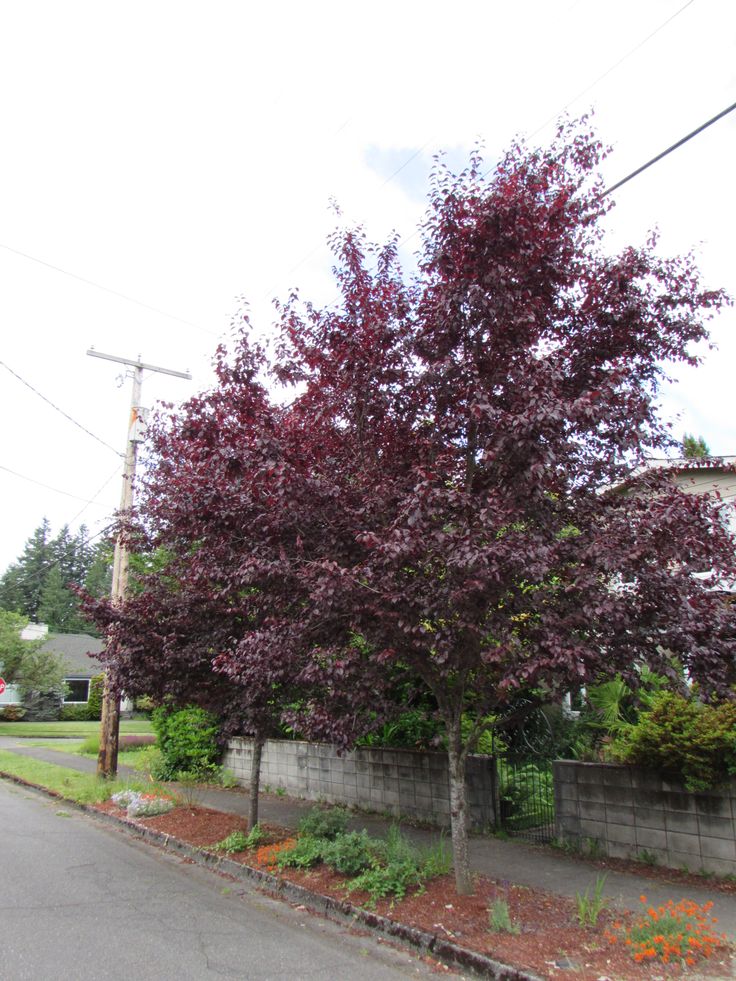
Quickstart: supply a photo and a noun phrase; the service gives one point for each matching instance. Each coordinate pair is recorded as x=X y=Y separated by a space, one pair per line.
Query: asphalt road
x=83 y=902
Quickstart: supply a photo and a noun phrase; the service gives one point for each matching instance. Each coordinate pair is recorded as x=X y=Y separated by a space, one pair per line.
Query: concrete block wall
x=402 y=782
x=628 y=812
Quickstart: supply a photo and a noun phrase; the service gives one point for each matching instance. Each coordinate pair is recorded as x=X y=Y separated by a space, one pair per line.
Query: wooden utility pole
x=107 y=760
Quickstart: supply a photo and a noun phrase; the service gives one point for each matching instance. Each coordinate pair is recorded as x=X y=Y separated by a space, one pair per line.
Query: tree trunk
x=255 y=780
x=458 y=808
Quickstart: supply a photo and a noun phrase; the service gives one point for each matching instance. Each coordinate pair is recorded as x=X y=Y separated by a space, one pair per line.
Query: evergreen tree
x=22 y=585
x=39 y=585
x=98 y=579
x=694 y=448
x=59 y=606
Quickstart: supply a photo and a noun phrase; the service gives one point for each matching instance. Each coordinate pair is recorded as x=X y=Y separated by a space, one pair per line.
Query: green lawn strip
x=125 y=757
x=55 y=744
x=83 y=788
x=60 y=730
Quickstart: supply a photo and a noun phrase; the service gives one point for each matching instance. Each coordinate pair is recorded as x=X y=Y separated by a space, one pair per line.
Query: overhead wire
x=61 y=411
x=56 y=490
x=664 y=153
x=107 y=289
x=612 y=68
x=579 y=95
x=94 y=497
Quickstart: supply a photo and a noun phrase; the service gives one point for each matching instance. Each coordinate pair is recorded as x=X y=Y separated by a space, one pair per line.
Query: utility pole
x=107 y=760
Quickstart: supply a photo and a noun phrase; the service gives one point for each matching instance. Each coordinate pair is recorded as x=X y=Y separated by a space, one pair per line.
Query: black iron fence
x=524 y=748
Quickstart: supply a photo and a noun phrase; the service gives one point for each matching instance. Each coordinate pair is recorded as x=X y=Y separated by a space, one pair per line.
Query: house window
x=77 y=690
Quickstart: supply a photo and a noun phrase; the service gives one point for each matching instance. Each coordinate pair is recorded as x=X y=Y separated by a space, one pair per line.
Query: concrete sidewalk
x=538 y=867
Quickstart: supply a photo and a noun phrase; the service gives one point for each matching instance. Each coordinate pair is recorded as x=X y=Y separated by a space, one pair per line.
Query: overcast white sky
x=184 y=154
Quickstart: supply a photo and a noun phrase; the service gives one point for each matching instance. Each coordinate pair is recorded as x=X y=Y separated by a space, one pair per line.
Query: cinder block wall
x=634 y=813
x=402 y=782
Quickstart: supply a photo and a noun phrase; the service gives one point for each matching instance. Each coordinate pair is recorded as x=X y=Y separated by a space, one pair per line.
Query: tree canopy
x=449 y=495
x=40 y=583
x=694 y=447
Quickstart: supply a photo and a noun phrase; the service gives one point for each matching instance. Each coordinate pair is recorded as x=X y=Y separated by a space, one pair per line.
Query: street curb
x=338 y=910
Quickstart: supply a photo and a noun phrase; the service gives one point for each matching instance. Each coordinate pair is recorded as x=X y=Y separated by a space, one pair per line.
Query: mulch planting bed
x=550 y=943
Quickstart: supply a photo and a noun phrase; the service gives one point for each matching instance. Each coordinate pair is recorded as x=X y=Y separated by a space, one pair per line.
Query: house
x=79 y=667
x=715 y=476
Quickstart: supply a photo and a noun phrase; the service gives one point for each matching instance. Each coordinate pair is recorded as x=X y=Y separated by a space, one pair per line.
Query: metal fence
x=524 y=749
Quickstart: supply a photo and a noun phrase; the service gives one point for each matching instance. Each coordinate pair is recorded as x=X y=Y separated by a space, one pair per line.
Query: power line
x=404 y=241
x=56 y=490
x=94 y=497
x=612 y=68
x=669 y=149
x=107 y=289
x=53 y=406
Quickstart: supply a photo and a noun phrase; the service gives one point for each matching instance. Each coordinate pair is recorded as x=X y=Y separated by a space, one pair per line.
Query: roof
x=74 y=649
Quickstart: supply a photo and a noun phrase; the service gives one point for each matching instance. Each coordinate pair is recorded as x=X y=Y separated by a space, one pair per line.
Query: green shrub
x=305 y=853
x=12 y=713
x=236 y=841
x=349 y=852
x=74 y=713
x=94 y=702
x=394 y=879
x=398 y=865
x=144 y=704
x=322 y=823
x=226 y=778
x=684 y=738
x=187 y=739
x=239 y=841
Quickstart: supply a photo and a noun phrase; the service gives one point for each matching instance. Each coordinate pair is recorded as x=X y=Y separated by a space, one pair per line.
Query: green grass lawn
x=84 y=788
x=126 y=757
x=61 y=730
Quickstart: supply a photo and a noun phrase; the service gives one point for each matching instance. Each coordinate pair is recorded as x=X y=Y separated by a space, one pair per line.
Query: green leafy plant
x=398 y=865
x=227 y=778
x=74 y=713
x=94 y=700
x=324 y=823
x=499 y=918
x=349 y=852
x=526 y=794
x=646 y=857
x=236 y=841
x=187 y=739
x=684 y=738
x=150 y=761
x=239 y=841
x=303 y=854
x=393 y=879
x=591 y=905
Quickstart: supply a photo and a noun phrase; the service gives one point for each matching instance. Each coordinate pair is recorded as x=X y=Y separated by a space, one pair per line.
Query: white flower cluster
x=137 y=804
